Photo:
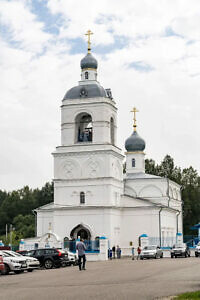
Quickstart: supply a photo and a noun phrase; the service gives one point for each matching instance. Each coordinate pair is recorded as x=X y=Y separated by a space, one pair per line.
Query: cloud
x=141 y=66
x=22 y=25
x=40 y=53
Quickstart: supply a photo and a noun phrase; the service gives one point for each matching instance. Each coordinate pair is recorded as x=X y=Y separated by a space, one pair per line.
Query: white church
x=92 y=196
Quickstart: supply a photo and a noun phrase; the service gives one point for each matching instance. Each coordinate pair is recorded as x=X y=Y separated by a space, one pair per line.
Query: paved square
x=116 y=279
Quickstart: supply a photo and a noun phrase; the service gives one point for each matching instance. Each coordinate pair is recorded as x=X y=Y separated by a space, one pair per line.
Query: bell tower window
x=133 y=162
x=82 y=198
x=84 y=128
x=86 y=75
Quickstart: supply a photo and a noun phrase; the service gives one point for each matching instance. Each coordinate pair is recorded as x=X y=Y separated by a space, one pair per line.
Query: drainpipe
x=160 y=225
x=177 y=215
x=35 y=214
x=168 y=191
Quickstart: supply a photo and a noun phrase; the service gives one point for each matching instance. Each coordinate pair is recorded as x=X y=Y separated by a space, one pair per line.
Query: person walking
x=133 y=253
x=80 y=246
x=113 y=251
x=118 y=252
x=138 y=251
x=110 y=253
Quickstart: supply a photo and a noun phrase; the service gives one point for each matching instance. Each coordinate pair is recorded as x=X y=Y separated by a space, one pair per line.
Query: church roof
x=142 y=176
x=89 y=62
x=134 y=143
x=85 y=91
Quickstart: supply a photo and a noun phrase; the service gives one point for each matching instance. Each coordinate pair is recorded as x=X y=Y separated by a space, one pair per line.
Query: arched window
x=86 y=75
x=112 y=133
x=133 y=162
x=84 y=128
x=82 y=198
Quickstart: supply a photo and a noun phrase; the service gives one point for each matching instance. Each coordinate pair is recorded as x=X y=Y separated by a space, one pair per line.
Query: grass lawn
x=188 y=296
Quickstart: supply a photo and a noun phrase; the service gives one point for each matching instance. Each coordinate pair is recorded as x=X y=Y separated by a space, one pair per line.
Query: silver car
x=13 y=264
x=151 y=252
x=32 y=263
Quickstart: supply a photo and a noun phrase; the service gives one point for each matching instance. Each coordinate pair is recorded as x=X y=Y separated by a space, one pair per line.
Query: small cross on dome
x=89 y=33
x=134 y=110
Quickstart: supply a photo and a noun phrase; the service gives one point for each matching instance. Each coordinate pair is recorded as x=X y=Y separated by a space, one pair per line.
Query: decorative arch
x=83 y=127
x=92 y=167
x=81 y=231
x=130 y=191
x=150 y=191
x=69 y=169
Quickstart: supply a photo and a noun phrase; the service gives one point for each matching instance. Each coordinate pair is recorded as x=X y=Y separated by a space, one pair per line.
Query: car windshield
x=178 y=246
x=31 y=253
x=16 y=254
x=8 y=254
x=150 y=248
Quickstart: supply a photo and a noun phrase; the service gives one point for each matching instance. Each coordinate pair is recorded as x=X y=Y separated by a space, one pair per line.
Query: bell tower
x=88 y=164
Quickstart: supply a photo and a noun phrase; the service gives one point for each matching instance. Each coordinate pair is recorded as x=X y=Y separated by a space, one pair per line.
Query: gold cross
x=89 y=33
x=134 y=110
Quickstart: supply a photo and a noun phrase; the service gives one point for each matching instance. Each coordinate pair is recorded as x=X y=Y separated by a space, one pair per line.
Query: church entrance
x=80 y=232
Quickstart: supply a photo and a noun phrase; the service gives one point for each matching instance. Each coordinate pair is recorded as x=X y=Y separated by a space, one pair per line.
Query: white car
x=32 y=263
x=73 y=260
x=13 y=264
x=151 y=252
x=197 y=250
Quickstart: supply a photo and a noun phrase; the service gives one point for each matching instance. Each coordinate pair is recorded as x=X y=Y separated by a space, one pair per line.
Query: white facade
x=92 y=197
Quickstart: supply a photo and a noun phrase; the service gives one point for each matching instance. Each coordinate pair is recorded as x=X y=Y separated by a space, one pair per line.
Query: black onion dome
x=134 y=143
x=85 y=91
x=89 y=62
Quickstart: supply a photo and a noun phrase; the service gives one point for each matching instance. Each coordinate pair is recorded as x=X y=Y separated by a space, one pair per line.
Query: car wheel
x=30 y=270
x=48 y=264
x=18 y=271
x=185 y=254
x=175 y=256
x=141 y=258
x=196 y=254
x=172 y=256
x=156 y=256
x=161 y=255
x=6 y=270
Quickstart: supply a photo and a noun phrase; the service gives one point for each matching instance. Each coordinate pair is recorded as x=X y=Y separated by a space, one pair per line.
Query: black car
x=50 y=257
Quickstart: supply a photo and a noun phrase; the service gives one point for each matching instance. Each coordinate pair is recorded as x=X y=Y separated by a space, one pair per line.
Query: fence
x=191 y=240
x=91 y=246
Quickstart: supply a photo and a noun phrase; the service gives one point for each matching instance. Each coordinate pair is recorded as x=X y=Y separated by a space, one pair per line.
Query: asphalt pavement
x=116 y=279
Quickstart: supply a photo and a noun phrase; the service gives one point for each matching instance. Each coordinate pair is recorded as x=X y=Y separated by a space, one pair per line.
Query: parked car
x=180 y=250
x=49 y=257
x=151 y=252
x=197 y=250
x=32 y=263
x=22 y=252
x=73 y=259
x=13 y=264
x=1 y=264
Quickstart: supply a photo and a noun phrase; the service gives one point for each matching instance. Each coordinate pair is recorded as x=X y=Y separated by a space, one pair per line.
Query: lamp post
x=11 y=228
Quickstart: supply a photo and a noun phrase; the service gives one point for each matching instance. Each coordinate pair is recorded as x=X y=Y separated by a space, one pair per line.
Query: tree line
x=17 y=207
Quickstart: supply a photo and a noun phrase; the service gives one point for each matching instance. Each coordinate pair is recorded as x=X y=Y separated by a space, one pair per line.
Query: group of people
x=112 y=253
x=139 y=249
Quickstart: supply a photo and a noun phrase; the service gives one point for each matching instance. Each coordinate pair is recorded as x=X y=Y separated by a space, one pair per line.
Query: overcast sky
x=148 y=53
